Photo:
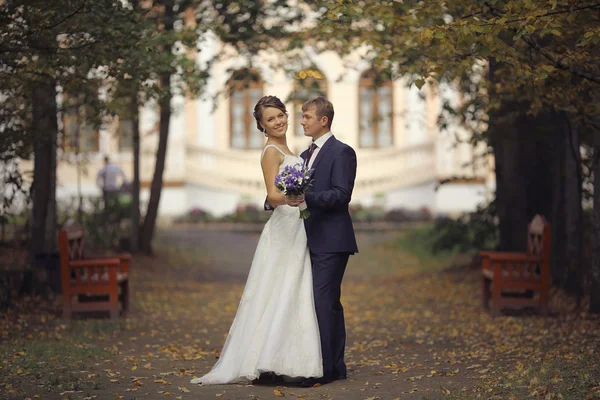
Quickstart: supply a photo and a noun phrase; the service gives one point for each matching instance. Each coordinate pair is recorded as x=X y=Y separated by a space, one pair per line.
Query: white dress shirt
x=319 y=142
x=108 y=177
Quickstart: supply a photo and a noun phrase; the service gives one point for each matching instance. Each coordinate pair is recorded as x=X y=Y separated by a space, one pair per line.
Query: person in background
x=110 y=180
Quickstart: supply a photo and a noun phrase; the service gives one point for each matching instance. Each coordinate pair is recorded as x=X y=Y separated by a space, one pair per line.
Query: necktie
x=310 y=152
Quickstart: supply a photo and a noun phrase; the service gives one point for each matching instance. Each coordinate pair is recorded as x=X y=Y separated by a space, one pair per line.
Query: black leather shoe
x=312 y=382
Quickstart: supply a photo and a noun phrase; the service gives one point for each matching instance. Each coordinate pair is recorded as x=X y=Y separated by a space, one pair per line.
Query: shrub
x=469 y=232
x=195 y=215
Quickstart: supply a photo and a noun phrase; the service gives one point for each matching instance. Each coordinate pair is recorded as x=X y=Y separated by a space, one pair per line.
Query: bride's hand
x=294 y=202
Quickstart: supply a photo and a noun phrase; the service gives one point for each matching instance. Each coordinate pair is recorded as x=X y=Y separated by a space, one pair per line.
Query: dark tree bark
x=573 y=245
x=510 y=190
x=45 y=129
x=557 y=216
x=161 y=153
x=504 y=141
x=595 y=267
x=530 y=176
x=135 y=190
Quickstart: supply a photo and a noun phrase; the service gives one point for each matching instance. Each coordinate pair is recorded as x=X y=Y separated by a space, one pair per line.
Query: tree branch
x=52 y=26
x=554 y=13
x=559 y=64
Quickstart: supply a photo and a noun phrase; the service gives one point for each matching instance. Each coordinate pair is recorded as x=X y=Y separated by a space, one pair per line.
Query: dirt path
x=411 y=335
x=180 y=327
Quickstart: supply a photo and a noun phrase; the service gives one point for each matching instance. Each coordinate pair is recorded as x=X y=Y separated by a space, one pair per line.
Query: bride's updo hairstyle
x=265 y=102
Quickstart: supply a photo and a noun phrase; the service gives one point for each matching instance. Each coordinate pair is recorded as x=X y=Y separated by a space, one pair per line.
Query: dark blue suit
x=331 y=240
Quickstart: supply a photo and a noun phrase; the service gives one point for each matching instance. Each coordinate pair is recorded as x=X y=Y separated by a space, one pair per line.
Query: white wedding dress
x=275 y=328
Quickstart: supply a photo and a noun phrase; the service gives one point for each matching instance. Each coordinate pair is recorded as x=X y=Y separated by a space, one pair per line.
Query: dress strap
x=270 y=145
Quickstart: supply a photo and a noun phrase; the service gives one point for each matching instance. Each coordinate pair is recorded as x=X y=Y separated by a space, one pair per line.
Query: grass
x=554 y=379
x=51 y=357
x=29 y=357
x=569 y=379
x=418 y=241
x=45 y=366
x=404 y=252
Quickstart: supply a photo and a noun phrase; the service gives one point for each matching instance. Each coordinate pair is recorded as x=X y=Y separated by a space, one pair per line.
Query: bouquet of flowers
x=294 y=181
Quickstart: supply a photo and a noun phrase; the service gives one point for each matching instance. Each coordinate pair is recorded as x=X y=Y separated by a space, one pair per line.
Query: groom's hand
x=294 y=202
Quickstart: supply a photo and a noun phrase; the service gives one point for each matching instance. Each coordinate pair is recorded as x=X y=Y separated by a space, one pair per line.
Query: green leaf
x=484 y=51
x=426 y=33
x=548 y=68
x=419 y=83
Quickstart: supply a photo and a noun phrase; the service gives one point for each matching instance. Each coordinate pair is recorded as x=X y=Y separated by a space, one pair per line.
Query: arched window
x=375 y=110
x=245 y=90
x=308 y=83
x=81 y=133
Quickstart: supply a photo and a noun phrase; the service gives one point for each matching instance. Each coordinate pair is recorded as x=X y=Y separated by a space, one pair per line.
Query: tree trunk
x=510 y=182
x=595 y=268
x=558 y=259
x=161 y=153
x=573 y=245
x=135 y=189
x=45 y=129
x=157 y=180
x=511 y=196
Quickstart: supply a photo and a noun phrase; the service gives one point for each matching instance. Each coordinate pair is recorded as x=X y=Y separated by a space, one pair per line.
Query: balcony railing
x=378 y=170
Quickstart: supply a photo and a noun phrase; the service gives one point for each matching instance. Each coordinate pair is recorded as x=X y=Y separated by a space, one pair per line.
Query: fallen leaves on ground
x=409 y=333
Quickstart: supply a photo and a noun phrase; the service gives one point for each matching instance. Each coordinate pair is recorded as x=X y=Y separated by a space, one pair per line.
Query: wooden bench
x=518 y=280
x=91 y=284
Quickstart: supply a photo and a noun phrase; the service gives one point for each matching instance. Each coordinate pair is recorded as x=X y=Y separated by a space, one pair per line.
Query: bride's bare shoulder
x=271 y=156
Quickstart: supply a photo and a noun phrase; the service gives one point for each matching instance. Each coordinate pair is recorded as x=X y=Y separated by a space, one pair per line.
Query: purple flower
x=294 y=180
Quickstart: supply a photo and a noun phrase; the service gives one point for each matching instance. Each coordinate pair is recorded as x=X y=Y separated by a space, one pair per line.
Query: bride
x=275 y=328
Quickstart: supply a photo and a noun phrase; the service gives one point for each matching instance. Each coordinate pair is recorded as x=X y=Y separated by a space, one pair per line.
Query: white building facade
x=214 y=146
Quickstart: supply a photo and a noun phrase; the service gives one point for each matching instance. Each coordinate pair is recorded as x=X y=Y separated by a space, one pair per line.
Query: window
x=125 y=135
x=245 y=89
x=375 y=110
x=308 y=83
x=80 y=131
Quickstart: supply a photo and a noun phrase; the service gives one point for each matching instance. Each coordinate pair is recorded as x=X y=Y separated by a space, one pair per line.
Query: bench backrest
x=539 y=238
x=71 y=240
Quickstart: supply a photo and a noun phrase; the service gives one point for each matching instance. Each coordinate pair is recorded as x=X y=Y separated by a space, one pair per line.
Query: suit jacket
x=329 y=227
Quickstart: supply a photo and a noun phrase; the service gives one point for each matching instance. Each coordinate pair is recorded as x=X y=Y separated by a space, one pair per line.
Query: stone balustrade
x=378 y=170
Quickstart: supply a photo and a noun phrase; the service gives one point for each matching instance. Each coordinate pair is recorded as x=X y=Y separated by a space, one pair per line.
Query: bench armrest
x=509 y=256
x=124 y=256
x=125 y=259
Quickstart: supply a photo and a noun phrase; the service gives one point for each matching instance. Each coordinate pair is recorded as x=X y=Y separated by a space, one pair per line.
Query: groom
x=329 y=230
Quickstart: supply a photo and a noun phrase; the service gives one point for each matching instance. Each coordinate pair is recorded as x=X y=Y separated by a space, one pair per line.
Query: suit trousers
x=328 y=270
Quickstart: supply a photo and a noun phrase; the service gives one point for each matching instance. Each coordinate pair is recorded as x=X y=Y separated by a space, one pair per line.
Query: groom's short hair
x=323 y=108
